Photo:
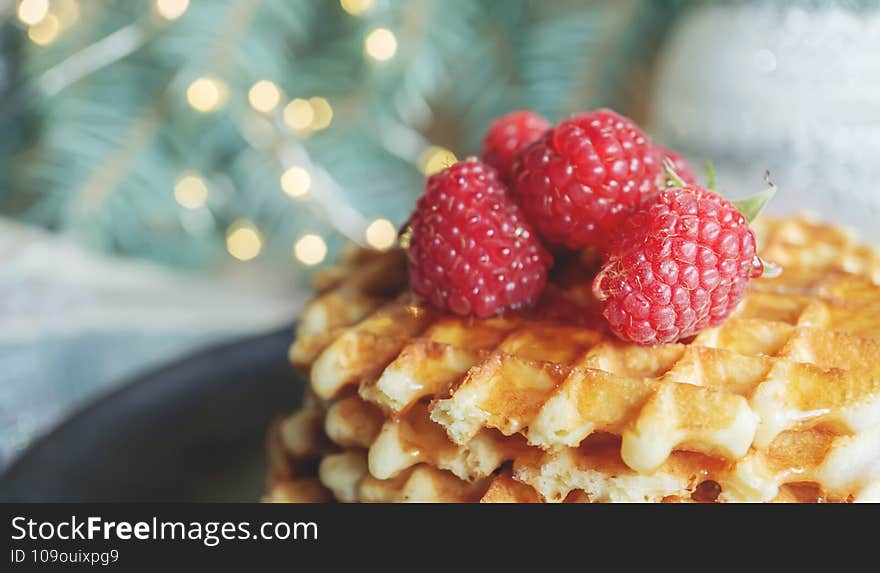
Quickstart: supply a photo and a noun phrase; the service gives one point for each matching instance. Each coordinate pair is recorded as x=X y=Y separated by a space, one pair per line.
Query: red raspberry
x=682 y=169
x=677 y=266
x=471 y=251
x=507 y=135
x=583 y=178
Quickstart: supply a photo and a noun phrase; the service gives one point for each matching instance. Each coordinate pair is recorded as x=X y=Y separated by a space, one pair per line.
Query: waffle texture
x=779 y=403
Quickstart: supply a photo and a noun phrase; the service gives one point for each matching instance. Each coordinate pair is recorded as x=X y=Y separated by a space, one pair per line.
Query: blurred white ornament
x=796 y=90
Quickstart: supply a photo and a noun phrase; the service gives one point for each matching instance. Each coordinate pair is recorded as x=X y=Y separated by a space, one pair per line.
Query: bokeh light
x=296 y=181
x=356 y=7
x=381 y=234
x=206 y=94
x=310 y=249
x=243 y=240
x=322 y=112
x=171 y=9
x=31 y=12
x=381 y=45
x=191 y=191
x=67 y=12
x=299 y=114
x=264 y=96
x=45 y=31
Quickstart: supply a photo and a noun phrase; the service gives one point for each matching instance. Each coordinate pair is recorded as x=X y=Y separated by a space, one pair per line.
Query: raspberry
x=507 y=135
x=470 y=249
x=677 y=266
x=681 y=167
x=584 y=177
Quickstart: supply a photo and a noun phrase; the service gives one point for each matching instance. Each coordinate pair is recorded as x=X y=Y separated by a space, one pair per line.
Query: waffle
x=406 y=403
x=294 y=448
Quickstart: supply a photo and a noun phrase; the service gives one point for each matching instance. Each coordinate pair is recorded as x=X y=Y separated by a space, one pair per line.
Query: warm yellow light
x=206 y=94
x=45 y=31
x=356 y=7
x=381 y=44
x=243 y=240
x=299 y=114
x=171 y=9
x=435 y=159
x=322 y=111
x=32 y=11
x=264 y=96
x=191 y=191
x=381 y=234
x=296 y=181
x=67 y=12
x=310 y=249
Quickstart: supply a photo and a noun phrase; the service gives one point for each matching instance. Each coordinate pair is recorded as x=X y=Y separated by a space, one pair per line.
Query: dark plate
x=191 y=431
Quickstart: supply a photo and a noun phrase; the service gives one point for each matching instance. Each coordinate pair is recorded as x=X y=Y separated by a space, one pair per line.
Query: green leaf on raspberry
x=711 y=177
x=752 y=206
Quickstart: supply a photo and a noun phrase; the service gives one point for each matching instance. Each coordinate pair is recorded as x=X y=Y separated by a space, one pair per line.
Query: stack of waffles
x=406 y=403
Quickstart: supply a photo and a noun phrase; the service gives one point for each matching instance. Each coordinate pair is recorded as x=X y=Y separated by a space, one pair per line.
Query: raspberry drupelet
x=579 y=181
x=675 y=267
x=507 y=135
x=470 y=249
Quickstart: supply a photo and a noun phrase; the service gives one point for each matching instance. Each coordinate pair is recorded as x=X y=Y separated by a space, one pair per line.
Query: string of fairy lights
x=46 y=20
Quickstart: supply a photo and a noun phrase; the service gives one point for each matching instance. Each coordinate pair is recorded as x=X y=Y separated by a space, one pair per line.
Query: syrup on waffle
x=780 y=403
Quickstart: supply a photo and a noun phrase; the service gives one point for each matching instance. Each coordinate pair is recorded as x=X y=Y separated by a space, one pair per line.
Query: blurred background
x=172 y=171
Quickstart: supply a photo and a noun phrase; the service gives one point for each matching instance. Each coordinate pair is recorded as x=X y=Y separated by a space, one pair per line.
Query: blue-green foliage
x=458 y=65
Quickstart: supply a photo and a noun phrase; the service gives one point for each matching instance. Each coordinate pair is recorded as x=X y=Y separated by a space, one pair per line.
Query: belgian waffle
x=780 y=403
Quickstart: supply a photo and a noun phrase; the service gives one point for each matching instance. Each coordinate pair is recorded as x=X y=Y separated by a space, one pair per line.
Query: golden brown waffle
x=780 y=403
x=294 y=447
